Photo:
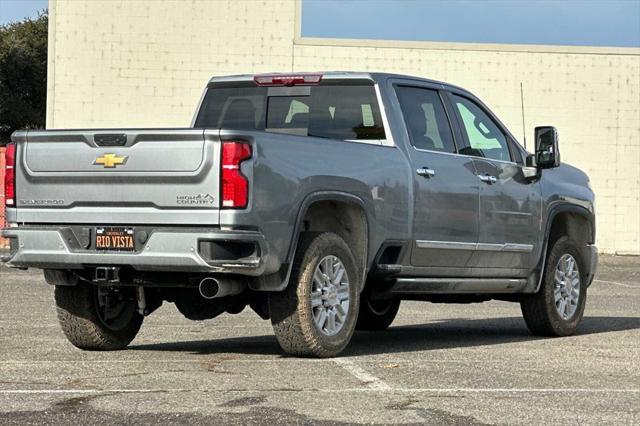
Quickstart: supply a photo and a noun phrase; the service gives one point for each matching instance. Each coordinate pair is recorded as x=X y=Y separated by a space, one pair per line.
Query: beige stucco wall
x=145 y=63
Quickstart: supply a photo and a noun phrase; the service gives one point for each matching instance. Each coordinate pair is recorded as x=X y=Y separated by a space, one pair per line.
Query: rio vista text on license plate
x=114 y=238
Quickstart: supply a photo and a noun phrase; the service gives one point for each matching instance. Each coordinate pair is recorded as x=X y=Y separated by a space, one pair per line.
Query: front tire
x=557 y=308
x=317 y=313
x=98 y=318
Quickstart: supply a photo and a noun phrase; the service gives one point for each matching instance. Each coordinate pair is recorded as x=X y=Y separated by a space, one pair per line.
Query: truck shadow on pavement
x=441 y=334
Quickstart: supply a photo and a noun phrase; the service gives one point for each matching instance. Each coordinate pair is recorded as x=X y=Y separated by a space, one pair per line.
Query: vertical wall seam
x=297 y=31
x=51 y=73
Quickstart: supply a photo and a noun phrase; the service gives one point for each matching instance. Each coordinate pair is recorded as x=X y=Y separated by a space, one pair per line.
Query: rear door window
x=426 y=119
x=345 y=112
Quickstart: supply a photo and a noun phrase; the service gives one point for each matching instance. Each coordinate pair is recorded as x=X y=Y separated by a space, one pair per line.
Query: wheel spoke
x=328 y=267
x=335 y=266
x=557 y=292
x=343 y=292
x=339 y=274
x=559 y=275
x=316 y=299
x=331 y=323
x=318 y=278
x=330 y=295
x=341 y=312
x=569 y=267
x=322 y=319
x=562 y=307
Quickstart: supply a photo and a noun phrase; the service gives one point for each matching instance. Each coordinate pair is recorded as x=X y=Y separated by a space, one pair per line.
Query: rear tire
x=557 y=308
x=317 y=313
x=377 y=315
x=98 y=318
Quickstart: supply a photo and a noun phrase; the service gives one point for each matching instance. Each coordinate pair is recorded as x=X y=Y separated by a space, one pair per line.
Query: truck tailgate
x=137 y=176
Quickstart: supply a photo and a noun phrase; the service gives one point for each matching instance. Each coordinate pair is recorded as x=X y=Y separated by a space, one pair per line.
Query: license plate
x=114 y=238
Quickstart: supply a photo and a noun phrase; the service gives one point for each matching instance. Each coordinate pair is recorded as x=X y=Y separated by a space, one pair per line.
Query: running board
x=458 y=285
x=388 y=270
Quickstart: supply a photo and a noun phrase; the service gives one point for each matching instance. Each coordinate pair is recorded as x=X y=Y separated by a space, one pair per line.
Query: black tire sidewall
x=126 y=318
x=390 y=307
x=372 y=319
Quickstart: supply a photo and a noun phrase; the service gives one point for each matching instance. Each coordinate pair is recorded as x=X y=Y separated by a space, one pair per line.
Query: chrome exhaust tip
x=209 y=288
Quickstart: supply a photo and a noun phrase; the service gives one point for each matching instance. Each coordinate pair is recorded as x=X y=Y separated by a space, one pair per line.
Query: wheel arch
x=349 y=219
x=566 y=219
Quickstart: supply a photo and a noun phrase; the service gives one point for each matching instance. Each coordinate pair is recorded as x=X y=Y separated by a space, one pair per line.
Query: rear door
x=510 y=204
x=445 y=219
x=167 y=176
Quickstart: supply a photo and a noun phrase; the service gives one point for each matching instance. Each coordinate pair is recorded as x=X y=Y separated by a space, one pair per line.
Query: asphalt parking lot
x=438 y=364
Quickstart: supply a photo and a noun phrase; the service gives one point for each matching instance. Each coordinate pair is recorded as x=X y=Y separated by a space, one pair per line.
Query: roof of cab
x=338 y=75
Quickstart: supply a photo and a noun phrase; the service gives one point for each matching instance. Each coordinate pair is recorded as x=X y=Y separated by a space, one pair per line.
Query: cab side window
x=484 y=137
x=426 y=119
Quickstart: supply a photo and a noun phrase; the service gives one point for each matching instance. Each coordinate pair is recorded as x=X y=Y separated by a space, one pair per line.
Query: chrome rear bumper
x=166 y=249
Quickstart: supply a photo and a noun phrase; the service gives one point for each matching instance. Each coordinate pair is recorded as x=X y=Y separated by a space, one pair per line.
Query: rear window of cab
x=343 y=112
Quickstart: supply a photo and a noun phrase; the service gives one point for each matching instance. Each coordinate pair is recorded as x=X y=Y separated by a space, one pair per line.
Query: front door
x=446 y=205
x=510 y=204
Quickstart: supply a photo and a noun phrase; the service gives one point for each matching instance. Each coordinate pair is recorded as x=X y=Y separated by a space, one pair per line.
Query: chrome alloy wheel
x=566 y=290
x=330 y=295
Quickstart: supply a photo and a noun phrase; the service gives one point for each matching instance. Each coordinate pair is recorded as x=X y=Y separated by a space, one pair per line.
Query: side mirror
x=546 y=143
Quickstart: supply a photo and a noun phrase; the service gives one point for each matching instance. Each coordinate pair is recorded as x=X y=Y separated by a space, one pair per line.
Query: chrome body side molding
x=453 y=245
x=457 y=285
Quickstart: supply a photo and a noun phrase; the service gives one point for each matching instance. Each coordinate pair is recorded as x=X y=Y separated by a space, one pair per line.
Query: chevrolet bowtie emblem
x=110 y=161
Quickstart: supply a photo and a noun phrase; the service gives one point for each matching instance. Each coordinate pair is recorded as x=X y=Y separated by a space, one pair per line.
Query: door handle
x=426 y=172
x=488 y=179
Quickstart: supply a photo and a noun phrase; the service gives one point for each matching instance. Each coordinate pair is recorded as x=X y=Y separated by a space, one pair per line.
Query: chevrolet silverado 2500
x=319 y=200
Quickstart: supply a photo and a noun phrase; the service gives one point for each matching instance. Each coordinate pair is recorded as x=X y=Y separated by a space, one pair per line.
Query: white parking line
x=520 y=390
x=372 y=382
x=616 y=283
x=379 y=389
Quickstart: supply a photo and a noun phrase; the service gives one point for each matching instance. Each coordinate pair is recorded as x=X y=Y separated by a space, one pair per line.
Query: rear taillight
x=235 y=187
x=10 y=175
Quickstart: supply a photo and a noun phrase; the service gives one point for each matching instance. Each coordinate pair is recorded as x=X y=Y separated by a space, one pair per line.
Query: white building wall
x=145 y=63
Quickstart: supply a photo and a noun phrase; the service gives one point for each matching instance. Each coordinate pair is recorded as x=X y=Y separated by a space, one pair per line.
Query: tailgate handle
x=110 y=140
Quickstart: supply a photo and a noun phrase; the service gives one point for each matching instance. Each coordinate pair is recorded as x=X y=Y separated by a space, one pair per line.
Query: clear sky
x=17 y=10
x=572 y=22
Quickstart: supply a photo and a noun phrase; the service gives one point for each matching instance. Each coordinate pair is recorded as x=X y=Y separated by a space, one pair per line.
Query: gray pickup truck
x=319 y=200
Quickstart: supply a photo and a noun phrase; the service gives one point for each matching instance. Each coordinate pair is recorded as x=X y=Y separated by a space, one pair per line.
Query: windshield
x=345 y=112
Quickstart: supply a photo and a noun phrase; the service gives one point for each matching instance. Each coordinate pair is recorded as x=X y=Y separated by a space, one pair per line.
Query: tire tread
x=293 y=324
x=538 y=309
x=81 y=325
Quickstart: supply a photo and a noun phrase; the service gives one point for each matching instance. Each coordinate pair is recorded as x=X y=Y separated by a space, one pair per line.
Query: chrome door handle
x=426 y=172
x=488 y=179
